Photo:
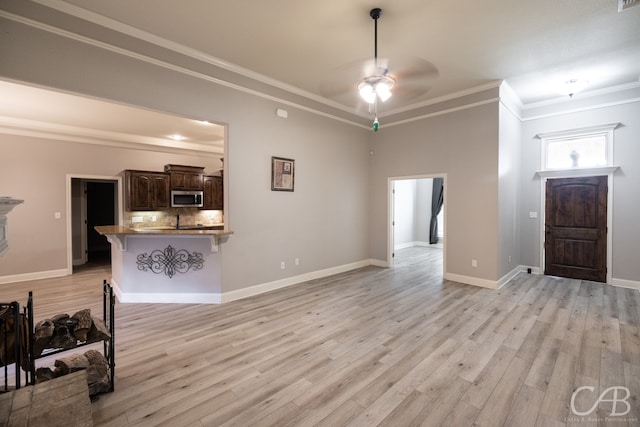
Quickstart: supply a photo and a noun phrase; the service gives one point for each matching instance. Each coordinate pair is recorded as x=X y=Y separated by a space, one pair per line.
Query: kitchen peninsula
x=165 y=265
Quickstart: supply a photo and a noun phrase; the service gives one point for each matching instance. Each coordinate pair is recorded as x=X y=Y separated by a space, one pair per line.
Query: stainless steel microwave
x=183 y=199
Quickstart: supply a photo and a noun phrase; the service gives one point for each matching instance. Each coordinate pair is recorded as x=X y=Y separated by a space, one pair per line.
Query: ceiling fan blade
x=413 y=68
x=332 y=88
x=407 y=91
x=413 y=77
x=346 y=78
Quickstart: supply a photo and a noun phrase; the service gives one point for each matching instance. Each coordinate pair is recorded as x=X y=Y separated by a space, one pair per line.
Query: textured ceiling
x=320 y=50
x=316 y=46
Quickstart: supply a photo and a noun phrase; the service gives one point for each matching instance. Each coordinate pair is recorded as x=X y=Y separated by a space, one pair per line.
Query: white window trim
x=577 y=172
x=606 y=130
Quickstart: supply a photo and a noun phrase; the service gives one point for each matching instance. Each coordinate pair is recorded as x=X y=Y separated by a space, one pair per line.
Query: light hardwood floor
x=375 y=346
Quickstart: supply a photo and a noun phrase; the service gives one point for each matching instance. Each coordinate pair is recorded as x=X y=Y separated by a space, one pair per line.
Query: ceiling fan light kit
x=377 y=86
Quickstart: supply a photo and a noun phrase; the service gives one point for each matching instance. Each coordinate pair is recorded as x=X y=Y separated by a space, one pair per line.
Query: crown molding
x=442 y=112
x=444 y=98
x=581 y=109
x=153 y=39
x=119 y=27
x=53 y=131
x=582 y=95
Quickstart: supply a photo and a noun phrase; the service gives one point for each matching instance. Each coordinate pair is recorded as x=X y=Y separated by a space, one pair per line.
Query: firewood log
x=97 y=359
x=97 y=381
x=74 y=362
x=44 y=330
x=83 y=317
x=60 y=318
x=98 y=331
x=44 y=374
x=97 y=373
x=62 y=337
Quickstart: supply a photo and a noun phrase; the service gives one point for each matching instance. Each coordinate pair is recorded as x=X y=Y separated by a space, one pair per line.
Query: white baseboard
x=404 y=246
x=491 y=284
x=165 y=298
x=475 y=281
x=510 y=275
x=631 y=284
x=282 y=283
x=534 y=270
x=378 y=263
x=411 y=245
x=34 y=276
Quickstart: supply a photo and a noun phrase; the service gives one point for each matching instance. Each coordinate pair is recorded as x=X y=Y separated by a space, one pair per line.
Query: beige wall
x=324 y=223
x=464 y=146
x=338 y=214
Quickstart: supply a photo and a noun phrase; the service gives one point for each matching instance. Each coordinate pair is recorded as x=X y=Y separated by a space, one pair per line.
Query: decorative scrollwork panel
x=170 y=261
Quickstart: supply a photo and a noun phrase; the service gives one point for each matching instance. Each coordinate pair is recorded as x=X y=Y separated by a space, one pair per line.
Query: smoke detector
x=626 y=4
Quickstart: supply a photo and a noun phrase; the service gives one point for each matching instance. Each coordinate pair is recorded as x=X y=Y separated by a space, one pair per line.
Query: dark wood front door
x=576 y=228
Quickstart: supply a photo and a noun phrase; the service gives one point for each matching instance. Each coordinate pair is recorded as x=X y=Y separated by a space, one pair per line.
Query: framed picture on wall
x=282 y=174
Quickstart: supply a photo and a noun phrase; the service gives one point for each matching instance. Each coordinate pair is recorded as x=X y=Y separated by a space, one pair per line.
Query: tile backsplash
x=188 y=217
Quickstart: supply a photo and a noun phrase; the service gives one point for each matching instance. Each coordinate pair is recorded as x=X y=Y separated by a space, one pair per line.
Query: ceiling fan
x=376 y=80
x=377 y=85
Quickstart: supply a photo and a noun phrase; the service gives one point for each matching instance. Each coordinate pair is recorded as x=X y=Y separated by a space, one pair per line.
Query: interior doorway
x=94 y=201
x=412 y=230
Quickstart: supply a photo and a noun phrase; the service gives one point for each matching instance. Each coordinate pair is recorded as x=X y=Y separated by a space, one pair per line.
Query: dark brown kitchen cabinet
x=213 y=195
x=185 y=177
x=147 y=191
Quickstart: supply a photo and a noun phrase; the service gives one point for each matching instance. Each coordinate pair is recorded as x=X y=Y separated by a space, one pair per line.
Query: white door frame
x=390 y=215
x=119 y=208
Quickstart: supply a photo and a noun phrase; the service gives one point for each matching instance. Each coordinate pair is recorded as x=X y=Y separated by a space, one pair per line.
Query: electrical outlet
x=282 y=265
x=297 y=261
x=153 y=218
x=474 y=263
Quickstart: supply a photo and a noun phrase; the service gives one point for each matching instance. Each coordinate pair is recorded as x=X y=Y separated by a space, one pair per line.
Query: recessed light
x=176 y=137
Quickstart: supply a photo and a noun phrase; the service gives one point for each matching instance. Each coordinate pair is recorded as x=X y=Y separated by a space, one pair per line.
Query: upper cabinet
x=147 y=191
x=185 y=177
x=213 y=195
x=151 y=191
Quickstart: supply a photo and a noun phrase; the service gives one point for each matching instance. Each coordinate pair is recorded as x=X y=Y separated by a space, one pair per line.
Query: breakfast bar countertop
x=195 y=230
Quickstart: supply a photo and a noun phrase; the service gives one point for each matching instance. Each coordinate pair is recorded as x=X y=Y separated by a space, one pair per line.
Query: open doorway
x=93 y=202
x=417 y=236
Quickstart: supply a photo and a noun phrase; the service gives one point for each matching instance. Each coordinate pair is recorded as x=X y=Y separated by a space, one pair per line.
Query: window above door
x=578 y=152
